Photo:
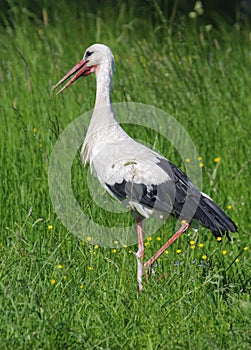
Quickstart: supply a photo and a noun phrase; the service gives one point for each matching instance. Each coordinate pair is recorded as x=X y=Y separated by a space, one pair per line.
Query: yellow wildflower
x=178 y=251
x=219 y=239
x=204 y=257
x=224 y=252
x=187 y=160
x=60 y=266
x=52 y=281
x=200 y=245
x=88 y=238
x=217 y=159
x=245 y=249
x=89 y=268
x=229 y=207
x=50 y=227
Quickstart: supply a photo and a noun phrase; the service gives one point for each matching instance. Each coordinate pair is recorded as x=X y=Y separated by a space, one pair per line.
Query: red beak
x=80 y=69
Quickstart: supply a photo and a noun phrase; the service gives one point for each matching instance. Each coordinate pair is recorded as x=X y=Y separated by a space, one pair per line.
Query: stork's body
x=141 y=179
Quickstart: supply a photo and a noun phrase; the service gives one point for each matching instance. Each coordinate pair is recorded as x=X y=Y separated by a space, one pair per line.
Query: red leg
x=184 y=227
x=140 y=254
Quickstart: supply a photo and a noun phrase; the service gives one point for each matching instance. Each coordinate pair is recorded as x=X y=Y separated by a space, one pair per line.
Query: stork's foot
x=147 y=266
x=161 y=277
x=148 y=271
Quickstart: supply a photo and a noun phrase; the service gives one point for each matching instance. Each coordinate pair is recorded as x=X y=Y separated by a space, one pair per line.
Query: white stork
x=140 y=178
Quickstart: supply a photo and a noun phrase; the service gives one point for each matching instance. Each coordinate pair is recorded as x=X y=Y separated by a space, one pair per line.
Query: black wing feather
x=178 y=196
x=151 y=196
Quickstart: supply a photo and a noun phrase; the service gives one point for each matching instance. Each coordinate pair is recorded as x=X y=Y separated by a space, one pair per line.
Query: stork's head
x=95 y=56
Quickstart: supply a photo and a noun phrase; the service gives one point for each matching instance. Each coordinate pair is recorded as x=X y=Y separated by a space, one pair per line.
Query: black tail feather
x=212 y=217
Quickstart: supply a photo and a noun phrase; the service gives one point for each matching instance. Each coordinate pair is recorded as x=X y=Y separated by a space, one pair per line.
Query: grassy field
x=59 y=292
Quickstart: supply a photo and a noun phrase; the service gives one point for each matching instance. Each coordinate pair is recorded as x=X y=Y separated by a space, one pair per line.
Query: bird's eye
x=88 y=53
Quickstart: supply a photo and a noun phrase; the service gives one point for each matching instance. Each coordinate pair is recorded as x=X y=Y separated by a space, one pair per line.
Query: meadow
x=60 y=292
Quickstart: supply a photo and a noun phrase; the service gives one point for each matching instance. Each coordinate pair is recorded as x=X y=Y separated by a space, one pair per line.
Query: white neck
x=103 y=84
x=103 y=127
x=103 y=113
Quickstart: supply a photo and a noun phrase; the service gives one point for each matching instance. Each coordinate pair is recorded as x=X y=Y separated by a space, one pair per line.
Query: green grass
x=203 y=80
